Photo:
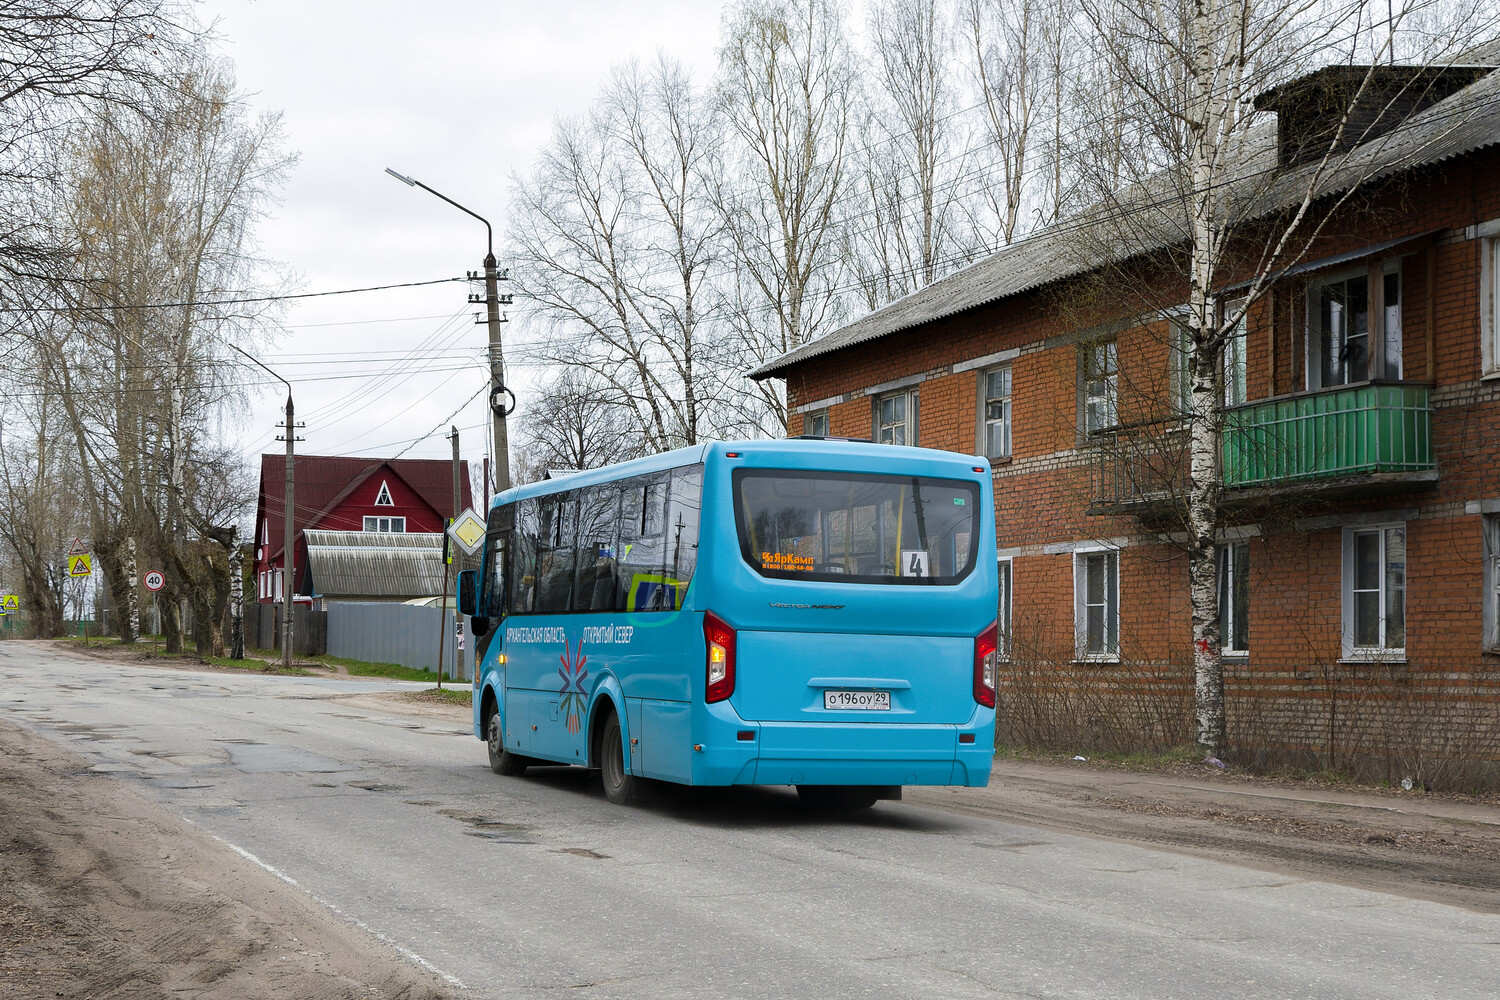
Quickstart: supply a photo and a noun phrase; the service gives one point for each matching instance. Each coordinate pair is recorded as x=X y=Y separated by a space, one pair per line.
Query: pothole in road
x=376 y=786
x=489 y=827
x=582 y=852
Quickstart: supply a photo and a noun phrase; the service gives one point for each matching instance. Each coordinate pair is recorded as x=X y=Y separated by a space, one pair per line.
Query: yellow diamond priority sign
x=467 y=531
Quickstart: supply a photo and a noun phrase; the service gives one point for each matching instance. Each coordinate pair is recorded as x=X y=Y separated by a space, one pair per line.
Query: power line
x=252 y=300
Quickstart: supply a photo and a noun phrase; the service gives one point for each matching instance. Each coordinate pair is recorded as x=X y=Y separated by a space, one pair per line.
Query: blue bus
x=807 y=612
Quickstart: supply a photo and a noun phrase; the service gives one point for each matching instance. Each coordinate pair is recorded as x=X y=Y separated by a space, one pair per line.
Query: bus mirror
x=479 y=626
x=468 y=592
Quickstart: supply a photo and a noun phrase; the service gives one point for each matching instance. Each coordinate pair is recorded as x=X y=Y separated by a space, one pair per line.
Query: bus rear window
x=846 y=528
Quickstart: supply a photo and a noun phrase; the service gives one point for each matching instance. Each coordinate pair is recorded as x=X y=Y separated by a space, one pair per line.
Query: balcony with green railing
x=1368 y=438
x=1372 y=429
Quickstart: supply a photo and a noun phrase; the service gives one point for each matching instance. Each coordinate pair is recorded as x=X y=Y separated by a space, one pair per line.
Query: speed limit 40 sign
x=154 y=580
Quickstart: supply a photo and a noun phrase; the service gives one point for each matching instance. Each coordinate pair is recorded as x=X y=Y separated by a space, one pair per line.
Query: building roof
x=1466 y=121
x=375 y=564
x=323 y=482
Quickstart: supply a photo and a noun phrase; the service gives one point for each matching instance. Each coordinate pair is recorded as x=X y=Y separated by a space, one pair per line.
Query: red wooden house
x=338 y=493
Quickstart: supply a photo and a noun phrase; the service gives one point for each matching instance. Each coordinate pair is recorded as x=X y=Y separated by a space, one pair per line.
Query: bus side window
x=683 y=514
x=556 y=554
x=492 y=599
x=642 y=544
x=595 y=586
x=523 y=558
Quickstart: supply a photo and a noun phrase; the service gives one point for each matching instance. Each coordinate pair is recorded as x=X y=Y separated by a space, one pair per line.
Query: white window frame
x=1110 y=651
x=383 y=498
x=1235 y=366
x=1107 y=396
x=1383 y=650
x=1488 y=234
x=1004 y=422
x=1490 y=525
x=1003 y=621
x=810 y=421
x=1180 y=367
x=392 y=526
x=1234 y=561
x=1375 y=353
x=907 y=423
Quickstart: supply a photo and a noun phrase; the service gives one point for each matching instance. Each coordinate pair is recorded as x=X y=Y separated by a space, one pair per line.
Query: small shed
x=374 y=566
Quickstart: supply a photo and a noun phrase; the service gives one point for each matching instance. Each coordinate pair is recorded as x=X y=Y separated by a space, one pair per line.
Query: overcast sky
x=457 y=95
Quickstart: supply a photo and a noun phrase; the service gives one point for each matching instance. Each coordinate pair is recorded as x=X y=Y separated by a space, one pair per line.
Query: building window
x=1339 y=329
x=1492 y=582
x=896 y=418
x=1099 y=376
x=1234 y=356
x=996 y=428
x=815 y=424
x=1002 y=617
x=383 y=498
x=1374 y=592
x=1096 y=608
x=1234 y=598
x=385 y=524
x=1181 y=369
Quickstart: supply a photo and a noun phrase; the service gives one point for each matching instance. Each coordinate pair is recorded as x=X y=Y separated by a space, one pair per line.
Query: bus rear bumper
x=850 y=754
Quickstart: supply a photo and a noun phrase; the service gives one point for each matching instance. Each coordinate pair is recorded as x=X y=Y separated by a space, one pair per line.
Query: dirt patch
x=104 y=894
x=146 y=655
x=426 y=704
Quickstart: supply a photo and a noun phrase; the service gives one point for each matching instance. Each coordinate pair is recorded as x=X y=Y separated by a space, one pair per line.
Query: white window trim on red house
x=1110 y=639
x=1384 y=649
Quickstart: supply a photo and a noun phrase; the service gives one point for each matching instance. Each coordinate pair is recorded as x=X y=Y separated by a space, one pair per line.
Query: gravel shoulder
x=104 y=894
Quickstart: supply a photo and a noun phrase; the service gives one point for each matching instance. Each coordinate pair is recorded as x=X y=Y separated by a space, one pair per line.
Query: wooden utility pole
x=288 y=553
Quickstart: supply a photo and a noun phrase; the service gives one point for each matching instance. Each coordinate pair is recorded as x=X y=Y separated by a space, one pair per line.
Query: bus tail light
x=985 y=661
x=719 y=638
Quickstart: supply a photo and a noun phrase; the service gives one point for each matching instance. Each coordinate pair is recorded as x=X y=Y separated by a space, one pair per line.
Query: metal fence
x=406 y=634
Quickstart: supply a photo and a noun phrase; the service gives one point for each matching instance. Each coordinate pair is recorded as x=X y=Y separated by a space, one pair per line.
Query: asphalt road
x=525 y=887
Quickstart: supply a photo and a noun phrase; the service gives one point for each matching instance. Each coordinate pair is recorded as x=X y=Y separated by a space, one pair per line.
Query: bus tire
x=619 y=785
x=502 y=761
x=838 y=798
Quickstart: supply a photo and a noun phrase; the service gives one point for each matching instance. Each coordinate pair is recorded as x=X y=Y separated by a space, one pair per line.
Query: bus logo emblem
x=570 y=695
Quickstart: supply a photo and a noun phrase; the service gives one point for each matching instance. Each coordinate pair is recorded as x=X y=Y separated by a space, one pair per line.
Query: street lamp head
x=409 y=182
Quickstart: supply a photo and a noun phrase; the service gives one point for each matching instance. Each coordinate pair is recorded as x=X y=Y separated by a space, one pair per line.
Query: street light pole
x=498 y=391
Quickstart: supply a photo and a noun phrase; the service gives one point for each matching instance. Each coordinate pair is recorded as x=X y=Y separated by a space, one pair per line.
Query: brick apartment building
x=1360 y=558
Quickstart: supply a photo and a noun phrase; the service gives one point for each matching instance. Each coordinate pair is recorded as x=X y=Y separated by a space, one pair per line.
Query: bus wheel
x=619 y=786
x=502 y=761
x=838 y=798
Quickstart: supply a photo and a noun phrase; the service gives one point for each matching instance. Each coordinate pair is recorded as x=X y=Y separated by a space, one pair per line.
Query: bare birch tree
x=160 y=209
x=613 y=241
x=910 y=230
x=785 y=89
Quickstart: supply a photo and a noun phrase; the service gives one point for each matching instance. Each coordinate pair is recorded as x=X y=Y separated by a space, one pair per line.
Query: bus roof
x=795 y=452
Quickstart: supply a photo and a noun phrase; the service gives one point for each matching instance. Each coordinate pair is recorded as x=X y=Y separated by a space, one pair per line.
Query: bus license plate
x=857 y=701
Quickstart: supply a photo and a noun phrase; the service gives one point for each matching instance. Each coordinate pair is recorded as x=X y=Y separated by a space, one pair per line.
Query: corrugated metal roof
x=1466 y=121
x=375 y=564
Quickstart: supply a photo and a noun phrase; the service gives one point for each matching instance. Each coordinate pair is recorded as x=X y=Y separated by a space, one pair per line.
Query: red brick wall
x=1296 y=564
